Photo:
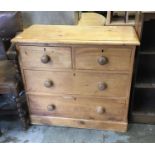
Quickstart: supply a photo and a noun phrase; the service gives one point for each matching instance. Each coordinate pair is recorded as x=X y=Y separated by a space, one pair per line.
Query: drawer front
x=114 y=59
x=97 y=84
x=76 y=107
x=45 y=57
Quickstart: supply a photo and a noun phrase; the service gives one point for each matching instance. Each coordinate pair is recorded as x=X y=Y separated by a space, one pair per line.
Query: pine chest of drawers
x=78 y=76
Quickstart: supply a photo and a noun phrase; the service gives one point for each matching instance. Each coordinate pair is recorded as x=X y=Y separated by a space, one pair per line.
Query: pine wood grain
x=80 y=123
x=118 y=59
x=81 y=83
x=77 y=107
x=116 y=35
x=59 y=57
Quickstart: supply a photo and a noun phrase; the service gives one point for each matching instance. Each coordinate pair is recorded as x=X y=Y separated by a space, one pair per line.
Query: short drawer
x=77 y=107
x=81 y=83
x=110 y=58
x=45 y=57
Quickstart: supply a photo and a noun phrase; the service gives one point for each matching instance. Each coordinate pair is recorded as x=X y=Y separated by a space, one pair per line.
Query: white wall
x=48 y=17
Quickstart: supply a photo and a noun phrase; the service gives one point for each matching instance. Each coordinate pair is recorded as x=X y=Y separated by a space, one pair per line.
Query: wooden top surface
x=116 y=35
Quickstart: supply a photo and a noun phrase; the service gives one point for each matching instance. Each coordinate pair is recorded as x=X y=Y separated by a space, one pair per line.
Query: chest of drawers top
x=99 y=35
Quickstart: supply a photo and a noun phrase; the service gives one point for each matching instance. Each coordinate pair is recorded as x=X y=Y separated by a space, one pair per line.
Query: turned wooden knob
x=100 y=110
x=48 y=83
x=45 y=59
x=102 y=86
x=51 y=107
x=102 y=60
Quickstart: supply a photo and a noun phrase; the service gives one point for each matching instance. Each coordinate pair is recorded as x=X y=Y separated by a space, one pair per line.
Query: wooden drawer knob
x=102 y=60
x=100 y=110
x=48 y=83
x=51 y=107
x=45 y=59
x=102 y=86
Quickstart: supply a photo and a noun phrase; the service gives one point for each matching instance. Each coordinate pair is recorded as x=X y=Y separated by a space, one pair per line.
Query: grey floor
x=12 y=133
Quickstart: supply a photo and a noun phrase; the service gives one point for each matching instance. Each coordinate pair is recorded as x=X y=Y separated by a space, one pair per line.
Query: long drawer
x=106 y=58
x=45 y=57
x=77 y=107
x=81 y=83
